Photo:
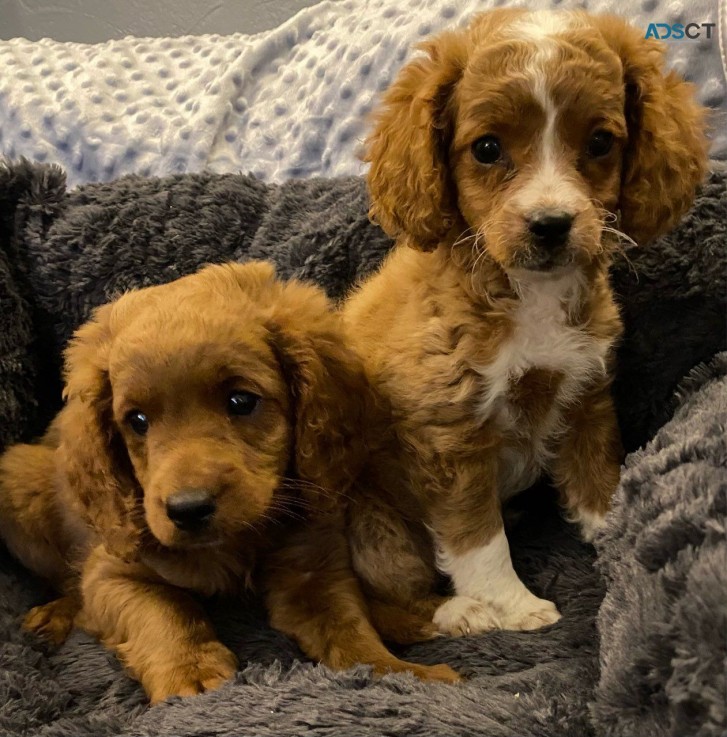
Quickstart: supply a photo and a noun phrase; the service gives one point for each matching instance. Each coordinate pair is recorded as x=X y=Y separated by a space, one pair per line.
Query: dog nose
x=191 y=509
x=551 y=228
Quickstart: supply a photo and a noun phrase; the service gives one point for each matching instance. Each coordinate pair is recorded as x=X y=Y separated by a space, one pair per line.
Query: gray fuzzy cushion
x=62 y=253
x=663 y=623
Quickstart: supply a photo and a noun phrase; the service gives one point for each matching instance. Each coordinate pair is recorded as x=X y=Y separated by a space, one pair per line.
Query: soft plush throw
x=663 y=622
x=289 y=102
x=63 y=252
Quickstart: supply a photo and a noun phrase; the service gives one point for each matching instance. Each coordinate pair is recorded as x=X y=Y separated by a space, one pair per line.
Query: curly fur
x=410 y=180
x=667 y=148
x=408 y=148
x=495 y=345
x=86 y=507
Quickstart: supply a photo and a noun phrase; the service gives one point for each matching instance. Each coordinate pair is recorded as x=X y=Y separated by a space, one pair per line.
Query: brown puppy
x=503 y=160
x=210 y=426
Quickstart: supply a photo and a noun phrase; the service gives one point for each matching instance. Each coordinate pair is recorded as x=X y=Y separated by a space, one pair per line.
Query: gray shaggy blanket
x=663 y=622
x=62 y=253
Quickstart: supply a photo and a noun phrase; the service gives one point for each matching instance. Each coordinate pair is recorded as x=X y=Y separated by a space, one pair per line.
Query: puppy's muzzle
x=549 y=233
x=550 y=229
x=191 y=510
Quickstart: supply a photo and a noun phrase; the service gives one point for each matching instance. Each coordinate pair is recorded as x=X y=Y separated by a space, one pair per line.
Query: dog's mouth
x=187 y=535
x=219 y=530
x=202 y=516
x=546 y=259
x=173 y=539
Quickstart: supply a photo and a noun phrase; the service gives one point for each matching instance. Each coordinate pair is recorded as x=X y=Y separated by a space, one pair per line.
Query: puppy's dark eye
x=138 y=421
x=487 y=150
x=241 y=404
x=599 y=144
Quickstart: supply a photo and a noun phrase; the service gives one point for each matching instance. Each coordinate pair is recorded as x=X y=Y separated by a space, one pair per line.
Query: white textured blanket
x=291 y=102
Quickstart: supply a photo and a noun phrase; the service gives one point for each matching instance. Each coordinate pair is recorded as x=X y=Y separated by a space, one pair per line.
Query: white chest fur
x=542 y=338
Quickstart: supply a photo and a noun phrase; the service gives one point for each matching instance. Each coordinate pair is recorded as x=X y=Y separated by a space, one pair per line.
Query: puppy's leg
x=393 y=560
x=159 y=632
x=397 y=570
x=473 y=550
x=30 y=519
x=313 y=596
x=483 y=574
x=587 y=465
x=55 y=620
x=34 y=527
x=405 y=625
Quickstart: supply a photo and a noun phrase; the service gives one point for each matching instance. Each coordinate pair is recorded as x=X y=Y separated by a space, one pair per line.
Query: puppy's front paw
x=52 y=621
x=532 y=614
x=442 y=673
x=204 y=668
x=590 y=523
x=461 y=615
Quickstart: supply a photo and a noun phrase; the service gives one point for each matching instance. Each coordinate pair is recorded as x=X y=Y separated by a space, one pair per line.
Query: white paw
x=462 y=615
x=531 y=614
x=590 y=523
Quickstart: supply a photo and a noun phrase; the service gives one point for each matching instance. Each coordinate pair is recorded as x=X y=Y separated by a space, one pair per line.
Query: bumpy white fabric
x=290 y=102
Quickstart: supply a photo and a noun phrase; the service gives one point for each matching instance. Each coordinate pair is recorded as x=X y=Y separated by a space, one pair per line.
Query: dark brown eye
x=137 y=421
x=487 y=150
x=599 y=144
x=241 y=404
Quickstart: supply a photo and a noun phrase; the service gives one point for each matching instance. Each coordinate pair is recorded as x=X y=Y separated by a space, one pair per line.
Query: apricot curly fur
x=492 y=339
x=86 y=507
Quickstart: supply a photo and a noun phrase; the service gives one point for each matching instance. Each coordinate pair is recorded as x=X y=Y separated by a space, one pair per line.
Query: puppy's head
x=530 y=135
x=202 y=407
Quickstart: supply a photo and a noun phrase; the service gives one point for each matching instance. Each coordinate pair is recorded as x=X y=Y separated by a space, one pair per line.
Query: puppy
x=210 y=427
x=508 y=160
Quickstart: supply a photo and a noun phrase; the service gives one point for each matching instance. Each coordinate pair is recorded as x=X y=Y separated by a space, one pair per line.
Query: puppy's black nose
x=551 y=228
x=191 y=509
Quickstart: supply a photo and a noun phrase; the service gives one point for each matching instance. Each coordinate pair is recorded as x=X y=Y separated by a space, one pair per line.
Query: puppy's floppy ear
x=94 y=464
x=411 y=191
x=666 y=155
x=330 y=395
x=256 y=279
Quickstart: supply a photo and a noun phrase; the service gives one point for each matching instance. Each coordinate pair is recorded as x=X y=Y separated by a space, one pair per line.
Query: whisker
x=622 y=242
x=303 y=485
x=462 y=237
x=307 y=486
x=481 y=254
x=621 y=236
x=619 y=248
x=460 y=259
